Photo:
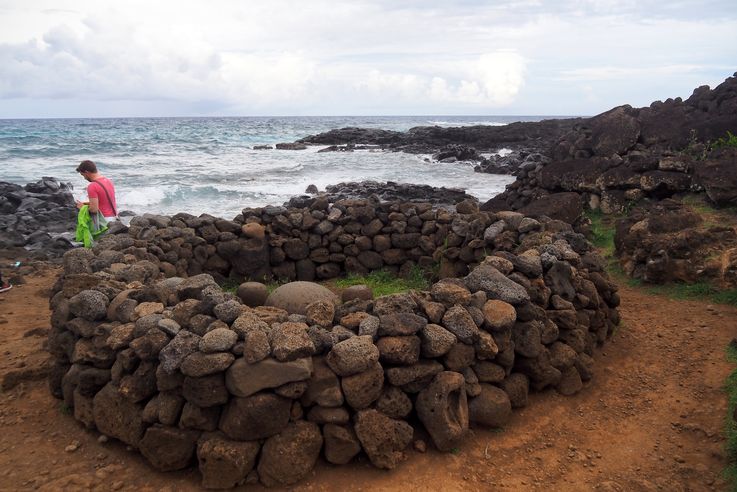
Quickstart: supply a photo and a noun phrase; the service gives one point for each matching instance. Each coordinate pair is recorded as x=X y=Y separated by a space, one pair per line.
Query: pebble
x=72 y=447
x=117 y=485
x=102 y=439
x=420 y=446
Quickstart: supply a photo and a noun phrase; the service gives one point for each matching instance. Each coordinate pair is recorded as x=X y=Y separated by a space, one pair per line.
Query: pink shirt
x=95 y=190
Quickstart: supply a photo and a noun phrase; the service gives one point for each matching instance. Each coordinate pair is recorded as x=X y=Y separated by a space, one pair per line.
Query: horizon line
x=556 y=116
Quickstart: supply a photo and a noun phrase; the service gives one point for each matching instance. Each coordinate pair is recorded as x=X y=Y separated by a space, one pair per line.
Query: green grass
x=730 y=426
x=602 y=228
x=699 y=291
x=230 y=285
x=383 y=282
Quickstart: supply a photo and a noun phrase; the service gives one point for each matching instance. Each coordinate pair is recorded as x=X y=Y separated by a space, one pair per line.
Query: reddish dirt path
x=651 y=419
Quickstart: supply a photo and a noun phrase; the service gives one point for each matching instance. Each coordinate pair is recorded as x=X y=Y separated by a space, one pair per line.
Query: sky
x=99 y=58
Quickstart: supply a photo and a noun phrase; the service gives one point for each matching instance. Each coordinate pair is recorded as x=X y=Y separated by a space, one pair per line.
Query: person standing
x=101 y=192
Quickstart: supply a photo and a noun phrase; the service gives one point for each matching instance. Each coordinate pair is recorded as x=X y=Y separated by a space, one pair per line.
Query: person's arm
x=94 y=205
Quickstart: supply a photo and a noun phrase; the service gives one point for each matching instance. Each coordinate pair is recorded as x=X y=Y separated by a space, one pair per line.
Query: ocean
x=208 y=165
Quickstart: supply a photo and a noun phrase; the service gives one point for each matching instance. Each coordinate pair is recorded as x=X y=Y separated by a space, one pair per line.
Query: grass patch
x=383 y=282
x=699 y=291
x=699 y=204
x=602 y=230
x=730 y=427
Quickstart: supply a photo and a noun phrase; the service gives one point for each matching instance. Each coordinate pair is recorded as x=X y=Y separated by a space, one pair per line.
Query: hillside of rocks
x=628 y=162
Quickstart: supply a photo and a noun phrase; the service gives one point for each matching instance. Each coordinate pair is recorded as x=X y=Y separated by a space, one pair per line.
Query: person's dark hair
x=87 y=166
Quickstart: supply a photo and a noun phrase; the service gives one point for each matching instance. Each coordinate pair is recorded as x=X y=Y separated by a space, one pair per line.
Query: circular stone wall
x=187 y=374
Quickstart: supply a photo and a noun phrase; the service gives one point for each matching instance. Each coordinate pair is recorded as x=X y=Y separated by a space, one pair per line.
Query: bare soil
x=651 y=419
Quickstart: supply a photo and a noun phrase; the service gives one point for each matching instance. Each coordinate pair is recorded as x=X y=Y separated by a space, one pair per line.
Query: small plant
x=230 y=285
x=729 y=141
x=65 y=409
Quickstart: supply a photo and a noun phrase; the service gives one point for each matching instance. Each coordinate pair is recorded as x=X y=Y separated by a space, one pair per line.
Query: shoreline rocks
x=33 y=216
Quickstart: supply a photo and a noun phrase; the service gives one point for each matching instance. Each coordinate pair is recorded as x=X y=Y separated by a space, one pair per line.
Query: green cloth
x=89 y=228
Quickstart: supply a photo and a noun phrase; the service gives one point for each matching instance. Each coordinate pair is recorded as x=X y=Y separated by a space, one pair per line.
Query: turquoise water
x=208 y=165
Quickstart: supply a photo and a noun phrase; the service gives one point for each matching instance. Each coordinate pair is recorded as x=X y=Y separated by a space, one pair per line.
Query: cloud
x=361 y=56
x=490 y=80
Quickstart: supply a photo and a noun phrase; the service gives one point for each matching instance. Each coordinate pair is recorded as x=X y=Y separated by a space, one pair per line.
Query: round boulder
x=295 y=296
x=253 y=293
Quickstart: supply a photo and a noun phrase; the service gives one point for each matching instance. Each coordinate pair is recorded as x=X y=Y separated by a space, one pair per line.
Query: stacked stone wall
x=151 y=351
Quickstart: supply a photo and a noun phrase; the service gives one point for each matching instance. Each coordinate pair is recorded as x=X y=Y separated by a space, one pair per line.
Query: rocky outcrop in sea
x=459 y=143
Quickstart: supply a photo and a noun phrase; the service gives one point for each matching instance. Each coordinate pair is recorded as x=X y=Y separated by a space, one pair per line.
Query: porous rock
x=289 y=456
x=168 y=448
x=255 y=417
x=382 y=438
x=225 y=463
x=354 y=355
x=362 y=389
x=290 y=341
x=117 y=416
x=341 y=444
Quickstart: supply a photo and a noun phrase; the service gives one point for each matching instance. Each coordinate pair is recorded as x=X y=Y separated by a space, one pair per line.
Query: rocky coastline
x=613 y=163
x=528 y=141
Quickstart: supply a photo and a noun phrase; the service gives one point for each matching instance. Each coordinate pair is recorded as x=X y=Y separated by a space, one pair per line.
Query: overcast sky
x=87 y=58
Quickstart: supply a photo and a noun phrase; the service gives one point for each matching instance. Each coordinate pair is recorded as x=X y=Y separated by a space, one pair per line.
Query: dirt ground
x=651 y=419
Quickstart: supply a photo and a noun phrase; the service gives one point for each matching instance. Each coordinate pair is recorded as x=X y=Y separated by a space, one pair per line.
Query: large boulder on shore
x=559 y=206
x=614 y=132
x=718 y=176
x=295 y=296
